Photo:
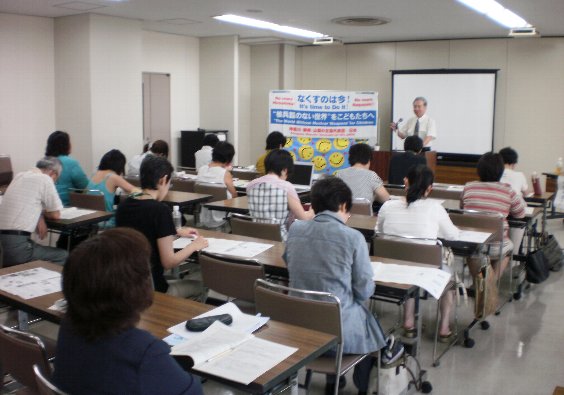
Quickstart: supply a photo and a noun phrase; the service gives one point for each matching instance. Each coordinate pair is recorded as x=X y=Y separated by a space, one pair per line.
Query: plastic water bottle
x=176 y=217
x=559 y=166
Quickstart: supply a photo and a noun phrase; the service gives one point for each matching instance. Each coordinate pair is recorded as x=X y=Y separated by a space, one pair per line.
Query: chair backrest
x=88 y=199
x=230 y=277
x=361 y=206
x=183 y=185
x=261 y=228
x=244 y=174
x=428 y=251
x=320 y=311
x=44 y=385
x=19 y=351
x=218 y=192
x=483 y=220
x=6 y=172
x=133 y=180
x=492 y=222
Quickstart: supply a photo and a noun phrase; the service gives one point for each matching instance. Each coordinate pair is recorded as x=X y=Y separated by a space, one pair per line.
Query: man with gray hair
x=420 y=125
x=30 y=197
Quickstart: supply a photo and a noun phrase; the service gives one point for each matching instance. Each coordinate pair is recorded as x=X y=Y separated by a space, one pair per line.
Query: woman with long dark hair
x=417 y=216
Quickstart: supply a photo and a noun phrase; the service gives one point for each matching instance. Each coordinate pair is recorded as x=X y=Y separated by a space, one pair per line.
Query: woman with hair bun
x=417 y=216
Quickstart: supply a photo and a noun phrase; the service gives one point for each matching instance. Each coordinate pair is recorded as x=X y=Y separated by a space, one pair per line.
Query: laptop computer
x=302 y=176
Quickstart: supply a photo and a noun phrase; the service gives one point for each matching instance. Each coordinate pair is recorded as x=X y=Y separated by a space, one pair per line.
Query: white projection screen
x=462 y=102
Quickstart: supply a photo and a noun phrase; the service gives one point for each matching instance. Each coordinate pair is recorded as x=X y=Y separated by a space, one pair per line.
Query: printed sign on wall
x=324 y=114
x=328 y=155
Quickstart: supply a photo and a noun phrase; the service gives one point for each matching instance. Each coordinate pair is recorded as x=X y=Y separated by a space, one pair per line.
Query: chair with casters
x=261 y=228
x=29 y=349
x=44 y=385
x=420 y=250
x=234 y=278
x=320 y=311
x=361 y=206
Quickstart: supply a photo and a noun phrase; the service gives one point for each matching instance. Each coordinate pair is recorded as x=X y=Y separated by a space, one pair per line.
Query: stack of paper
x=231 y=354
x=242 y=322
x=236 y=248
x=31 y=283
x=73 y=212
x=431 y=280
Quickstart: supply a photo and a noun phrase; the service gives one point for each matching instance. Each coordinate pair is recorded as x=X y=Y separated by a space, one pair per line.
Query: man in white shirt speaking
x=420 y=125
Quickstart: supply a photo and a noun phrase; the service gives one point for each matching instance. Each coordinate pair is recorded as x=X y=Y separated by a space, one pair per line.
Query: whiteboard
x=462 y=104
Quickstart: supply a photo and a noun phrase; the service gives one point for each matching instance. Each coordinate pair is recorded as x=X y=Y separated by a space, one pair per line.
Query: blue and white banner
x=329 y=114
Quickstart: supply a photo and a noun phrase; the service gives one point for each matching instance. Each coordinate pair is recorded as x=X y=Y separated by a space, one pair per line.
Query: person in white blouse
x=204 y=155
x=420 y=125
x=417 y=216
x=515 y=179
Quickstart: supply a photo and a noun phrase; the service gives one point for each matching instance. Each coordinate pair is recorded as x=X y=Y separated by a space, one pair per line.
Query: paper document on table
x=458 y=188
x=73 y=212
x=181 y=242
x=233 y=355
x=431 y=280
x=242 y=322
x=242 y=249
x=473 y=236
x=241 y=183
x=31 y=283
x=529 y=210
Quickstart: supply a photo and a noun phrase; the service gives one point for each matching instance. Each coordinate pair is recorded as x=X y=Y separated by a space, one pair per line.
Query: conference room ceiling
x=409 y=19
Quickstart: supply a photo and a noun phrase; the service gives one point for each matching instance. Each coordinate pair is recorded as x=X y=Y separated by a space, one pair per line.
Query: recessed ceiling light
x=493 y=10
x=79 y=6
x=241 y=20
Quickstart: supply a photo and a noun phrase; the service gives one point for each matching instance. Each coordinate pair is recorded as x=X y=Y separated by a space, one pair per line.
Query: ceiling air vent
x=360 y=21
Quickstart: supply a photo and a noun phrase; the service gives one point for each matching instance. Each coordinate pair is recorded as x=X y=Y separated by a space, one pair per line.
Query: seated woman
x=217 y=173
x=108 y=178
x=491 y=195
x=417 y=216
x=324 y=254
x=271 y=196
x=401 y=162
x=72 y=175
x=99 y=349
x=274 y=140
x=146 y=213
x=364 y=183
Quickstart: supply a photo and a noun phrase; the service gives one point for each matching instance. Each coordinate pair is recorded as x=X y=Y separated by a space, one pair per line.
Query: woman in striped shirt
x=490 y=195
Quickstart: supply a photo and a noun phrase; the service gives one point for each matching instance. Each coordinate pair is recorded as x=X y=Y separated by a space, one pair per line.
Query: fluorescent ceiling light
x=492 y=9
x=241 y=20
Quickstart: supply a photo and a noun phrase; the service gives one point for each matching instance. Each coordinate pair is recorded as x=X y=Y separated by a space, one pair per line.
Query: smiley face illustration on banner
x=327 y=155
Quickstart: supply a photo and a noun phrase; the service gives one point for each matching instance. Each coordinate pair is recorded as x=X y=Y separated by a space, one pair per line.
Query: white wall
x=530 y=84
x=244 y=156
x=116 y=80
x=219 y=65
x=72 y=85
x=178 y=56
x=265 y=76
x=27 y=93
